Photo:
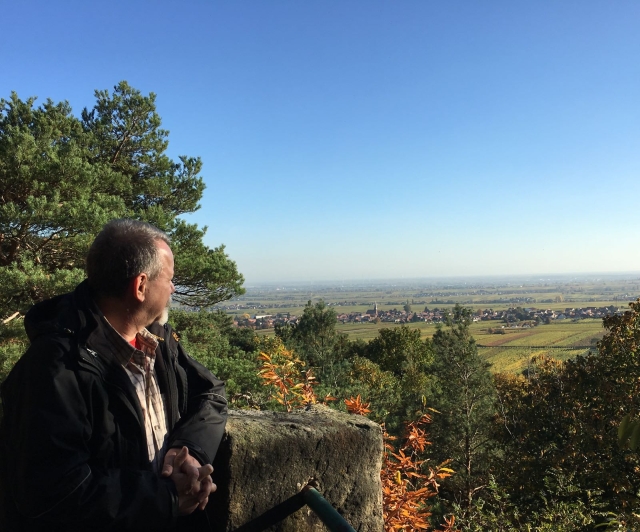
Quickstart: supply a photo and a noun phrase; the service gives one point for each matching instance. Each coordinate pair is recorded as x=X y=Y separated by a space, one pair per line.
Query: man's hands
x=193 y=481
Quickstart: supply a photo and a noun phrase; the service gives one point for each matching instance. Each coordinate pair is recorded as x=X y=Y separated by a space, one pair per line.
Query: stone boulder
x=266 y=458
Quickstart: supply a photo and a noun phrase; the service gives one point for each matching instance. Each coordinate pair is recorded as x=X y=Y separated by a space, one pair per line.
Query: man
x=109 y=425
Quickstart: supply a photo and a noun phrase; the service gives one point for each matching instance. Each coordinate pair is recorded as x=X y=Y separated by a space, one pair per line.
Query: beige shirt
x=139 y=365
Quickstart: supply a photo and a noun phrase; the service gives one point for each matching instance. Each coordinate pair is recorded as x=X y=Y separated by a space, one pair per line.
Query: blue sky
x=349 y=139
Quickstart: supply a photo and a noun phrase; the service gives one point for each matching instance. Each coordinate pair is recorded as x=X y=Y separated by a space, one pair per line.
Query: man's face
x=159 y=290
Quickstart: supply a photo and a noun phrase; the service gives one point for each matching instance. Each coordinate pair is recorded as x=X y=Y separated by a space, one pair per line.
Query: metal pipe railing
x=327 y=513
x=309 y=496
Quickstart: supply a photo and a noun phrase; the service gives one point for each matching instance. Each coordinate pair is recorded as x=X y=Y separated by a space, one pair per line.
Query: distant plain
x=511 y=350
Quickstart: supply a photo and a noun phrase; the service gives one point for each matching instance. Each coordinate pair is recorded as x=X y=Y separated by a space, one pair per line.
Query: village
x=512 y=317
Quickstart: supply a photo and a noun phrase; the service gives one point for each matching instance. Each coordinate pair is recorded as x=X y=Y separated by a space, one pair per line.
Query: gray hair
x=123 y=250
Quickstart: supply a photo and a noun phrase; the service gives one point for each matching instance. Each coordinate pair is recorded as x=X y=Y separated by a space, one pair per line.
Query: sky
x=351 y=139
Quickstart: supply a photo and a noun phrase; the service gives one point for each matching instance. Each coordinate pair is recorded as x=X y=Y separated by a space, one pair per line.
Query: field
x=553 y=292
x=513 y=350
x=510 y=350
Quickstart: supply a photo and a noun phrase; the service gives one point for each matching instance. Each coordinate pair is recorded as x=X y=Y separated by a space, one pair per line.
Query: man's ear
x=138 y=287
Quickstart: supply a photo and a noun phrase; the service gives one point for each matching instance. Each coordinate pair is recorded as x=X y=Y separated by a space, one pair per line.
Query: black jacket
x=73 y=450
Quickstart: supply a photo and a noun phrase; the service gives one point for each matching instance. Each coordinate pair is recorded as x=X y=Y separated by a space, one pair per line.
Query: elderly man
x=108 y=424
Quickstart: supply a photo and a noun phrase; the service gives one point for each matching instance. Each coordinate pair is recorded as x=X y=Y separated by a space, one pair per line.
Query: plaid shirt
x=139 y=365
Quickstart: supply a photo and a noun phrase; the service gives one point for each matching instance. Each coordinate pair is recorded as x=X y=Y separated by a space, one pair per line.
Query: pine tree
x=62 y=178
x=465 y=397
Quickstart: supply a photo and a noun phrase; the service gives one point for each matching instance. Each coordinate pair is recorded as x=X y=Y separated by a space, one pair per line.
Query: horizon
x=349 y=140
x=438 y=280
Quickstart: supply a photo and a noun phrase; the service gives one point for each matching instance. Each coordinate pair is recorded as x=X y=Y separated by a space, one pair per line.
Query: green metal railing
x=327 y=513
x=308 y=496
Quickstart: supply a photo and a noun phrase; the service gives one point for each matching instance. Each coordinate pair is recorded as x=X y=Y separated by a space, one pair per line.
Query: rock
x=266 y=458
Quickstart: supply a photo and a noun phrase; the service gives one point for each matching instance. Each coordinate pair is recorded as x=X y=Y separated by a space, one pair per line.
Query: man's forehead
x=163 y=247
x=165 y=251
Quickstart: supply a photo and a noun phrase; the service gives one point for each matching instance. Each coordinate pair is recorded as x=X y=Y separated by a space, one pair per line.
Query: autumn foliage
x=407 y=483
x=293 y=385
x=356 y=406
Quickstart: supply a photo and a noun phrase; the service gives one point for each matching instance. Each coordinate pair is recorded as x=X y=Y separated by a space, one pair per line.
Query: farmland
x=510 y=351
x=506 y=348
x=547 y=292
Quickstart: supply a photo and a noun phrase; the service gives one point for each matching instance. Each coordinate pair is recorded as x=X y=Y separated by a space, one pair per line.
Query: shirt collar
x=123 y=350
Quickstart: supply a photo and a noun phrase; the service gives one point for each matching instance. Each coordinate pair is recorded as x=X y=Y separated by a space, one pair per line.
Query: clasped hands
x=192 y=480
